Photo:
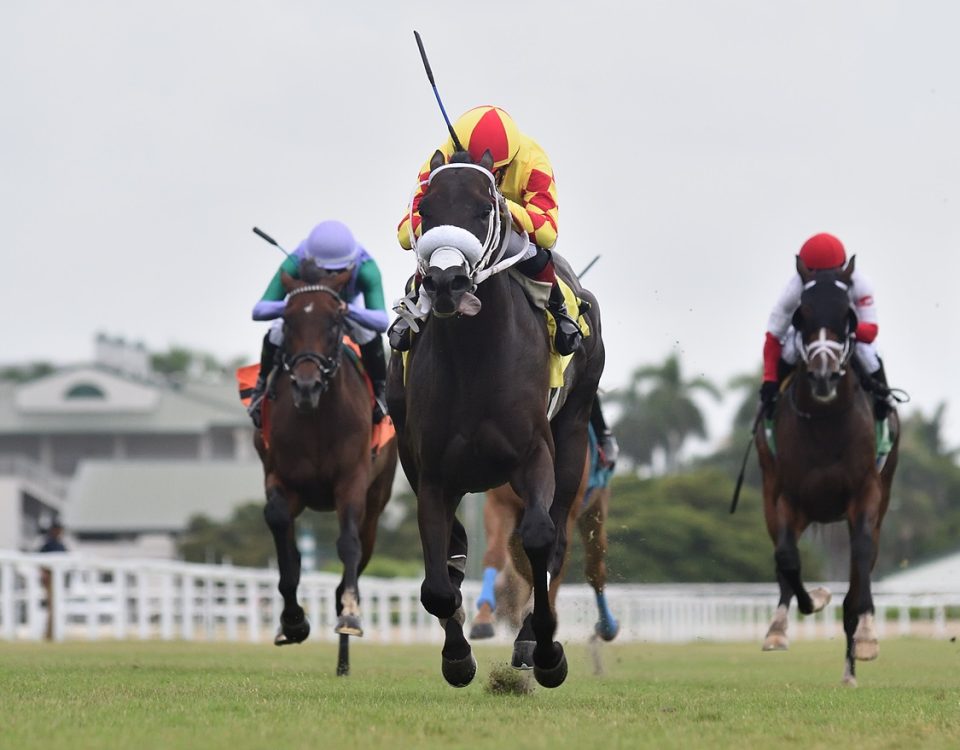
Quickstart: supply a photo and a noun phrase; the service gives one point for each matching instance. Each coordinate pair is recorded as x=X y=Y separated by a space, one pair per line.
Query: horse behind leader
x=315 y=447
x=820 y=463
x=471 y=407
x=507 y=583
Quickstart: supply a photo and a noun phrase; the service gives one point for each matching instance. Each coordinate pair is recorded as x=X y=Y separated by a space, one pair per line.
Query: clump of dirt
x=505 y=680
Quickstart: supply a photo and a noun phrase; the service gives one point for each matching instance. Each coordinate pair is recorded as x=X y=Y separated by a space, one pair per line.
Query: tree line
x=669 y=516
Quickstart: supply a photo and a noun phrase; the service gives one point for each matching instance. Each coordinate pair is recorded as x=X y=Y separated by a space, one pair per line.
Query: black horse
x=471 y=412
x=824 y=467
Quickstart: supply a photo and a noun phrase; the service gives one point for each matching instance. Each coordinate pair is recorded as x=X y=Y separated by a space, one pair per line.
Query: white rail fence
x=148 y=599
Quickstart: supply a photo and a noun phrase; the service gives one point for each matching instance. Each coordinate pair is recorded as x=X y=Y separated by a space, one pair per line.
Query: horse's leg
x=498 y=522
x=863 y=522
x=351 y=513
x=444 y=544
x=776 y=638
x=281 y=510
x=593 y=531
x=791 y=523
x=534 y=482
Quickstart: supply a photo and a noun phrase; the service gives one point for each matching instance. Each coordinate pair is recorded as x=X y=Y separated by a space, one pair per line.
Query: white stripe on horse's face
x=308 y=308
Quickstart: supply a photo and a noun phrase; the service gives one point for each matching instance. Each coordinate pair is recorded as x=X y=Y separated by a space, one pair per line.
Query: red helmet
x=488 y=128
x=823 y=251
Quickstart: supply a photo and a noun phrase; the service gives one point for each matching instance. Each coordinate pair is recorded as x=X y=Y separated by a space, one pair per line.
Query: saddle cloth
x=381 y=433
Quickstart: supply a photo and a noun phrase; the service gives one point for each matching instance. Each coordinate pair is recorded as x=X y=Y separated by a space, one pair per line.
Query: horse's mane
x=461 y=157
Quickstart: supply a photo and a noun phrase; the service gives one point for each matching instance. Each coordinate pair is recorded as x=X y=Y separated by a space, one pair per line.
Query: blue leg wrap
x=486 y=593
x=607 y=625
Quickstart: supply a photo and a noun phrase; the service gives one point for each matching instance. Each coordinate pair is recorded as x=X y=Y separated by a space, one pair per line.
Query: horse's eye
x=485 y=211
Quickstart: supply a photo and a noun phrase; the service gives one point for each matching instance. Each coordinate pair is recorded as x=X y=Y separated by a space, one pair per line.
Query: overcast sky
x=696 y=146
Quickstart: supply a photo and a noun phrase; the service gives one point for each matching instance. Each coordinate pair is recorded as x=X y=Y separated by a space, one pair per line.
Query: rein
x=327 y=365
x=493 y=247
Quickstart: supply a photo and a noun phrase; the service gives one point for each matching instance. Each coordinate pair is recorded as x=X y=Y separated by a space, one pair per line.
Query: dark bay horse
x=822 y=466
x=501 y=514
x=317 y=451
x=470 y=407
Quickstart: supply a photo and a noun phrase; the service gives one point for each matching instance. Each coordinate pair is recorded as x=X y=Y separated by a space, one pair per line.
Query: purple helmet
x=331 y=245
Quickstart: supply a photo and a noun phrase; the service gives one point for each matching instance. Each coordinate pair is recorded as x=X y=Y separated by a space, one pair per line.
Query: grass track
x=163 y=695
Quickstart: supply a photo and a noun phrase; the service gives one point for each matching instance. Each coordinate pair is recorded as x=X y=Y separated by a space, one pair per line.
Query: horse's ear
x=287 y=280
x=847 y=272
x=805 y=273
x=486 y=161
x=438 y=160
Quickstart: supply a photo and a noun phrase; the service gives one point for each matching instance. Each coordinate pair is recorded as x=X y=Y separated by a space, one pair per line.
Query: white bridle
x=482 y=260
x=836 y=351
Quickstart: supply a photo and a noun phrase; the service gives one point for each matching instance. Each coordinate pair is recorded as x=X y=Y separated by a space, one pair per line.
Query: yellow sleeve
x=403 y=229
x=537 y=212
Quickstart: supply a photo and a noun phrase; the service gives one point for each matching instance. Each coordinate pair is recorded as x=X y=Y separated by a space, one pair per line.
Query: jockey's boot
x=569 y=336
x=399 y=335
x=607 y=444
x=881 y=394
x=540 y=268
x=268 y=360
x=375 y=363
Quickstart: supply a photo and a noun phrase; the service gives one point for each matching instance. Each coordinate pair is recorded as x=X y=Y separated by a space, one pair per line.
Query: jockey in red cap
x=821 y=252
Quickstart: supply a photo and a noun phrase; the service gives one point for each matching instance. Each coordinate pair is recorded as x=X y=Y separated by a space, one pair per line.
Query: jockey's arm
x=413 y=219
x=861 y=292
x=273 y=301
x=535 y=209
x=778 y=325
x=373 y=314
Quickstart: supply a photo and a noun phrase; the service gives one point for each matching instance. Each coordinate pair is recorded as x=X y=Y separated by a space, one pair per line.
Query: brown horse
x=471 y=409
x=501 y=515
x=824 y=466
x=316 y=453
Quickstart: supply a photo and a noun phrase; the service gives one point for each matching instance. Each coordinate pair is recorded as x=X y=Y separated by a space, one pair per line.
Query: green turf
x=162 y=695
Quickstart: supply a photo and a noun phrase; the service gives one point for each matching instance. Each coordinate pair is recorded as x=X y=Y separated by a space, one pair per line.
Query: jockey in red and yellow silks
x=525 y=179
x=822 y=252
x=521 y=167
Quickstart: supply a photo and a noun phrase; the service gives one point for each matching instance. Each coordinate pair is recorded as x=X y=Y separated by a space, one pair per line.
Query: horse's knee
x=537 y=530
x=438 y=601
x=276 y=513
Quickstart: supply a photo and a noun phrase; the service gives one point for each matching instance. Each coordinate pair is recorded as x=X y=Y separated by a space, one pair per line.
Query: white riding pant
x=354 y=330
x=865 y=353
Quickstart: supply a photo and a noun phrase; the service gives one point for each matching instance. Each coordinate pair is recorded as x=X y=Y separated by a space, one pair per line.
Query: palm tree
x=659 y=413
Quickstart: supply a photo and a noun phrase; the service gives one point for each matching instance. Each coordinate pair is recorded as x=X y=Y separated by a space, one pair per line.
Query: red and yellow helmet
x=488 y=128
x=823 y=251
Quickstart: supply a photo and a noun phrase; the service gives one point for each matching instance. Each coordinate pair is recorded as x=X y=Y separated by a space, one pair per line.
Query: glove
x=769 y=392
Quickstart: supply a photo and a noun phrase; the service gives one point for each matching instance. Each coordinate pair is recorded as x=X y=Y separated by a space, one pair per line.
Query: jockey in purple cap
x=331 y=246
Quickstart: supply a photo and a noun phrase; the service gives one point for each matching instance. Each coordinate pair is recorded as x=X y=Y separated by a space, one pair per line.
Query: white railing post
x=8 y=612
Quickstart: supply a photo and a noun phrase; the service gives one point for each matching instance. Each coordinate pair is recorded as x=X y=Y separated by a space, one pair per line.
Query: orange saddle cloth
x=381 y=433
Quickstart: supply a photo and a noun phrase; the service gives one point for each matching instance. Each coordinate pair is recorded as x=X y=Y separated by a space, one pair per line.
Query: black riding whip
x=263 y=235
x=746 y=454
x=426 y=67
x=589 y=266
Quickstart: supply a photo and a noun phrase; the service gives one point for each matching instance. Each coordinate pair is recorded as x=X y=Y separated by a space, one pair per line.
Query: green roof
x=155 y=496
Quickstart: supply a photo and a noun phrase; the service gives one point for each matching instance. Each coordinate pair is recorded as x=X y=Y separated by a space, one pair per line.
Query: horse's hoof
x=348 y=625
x=820 y=597
x=866 y=647
x=607 y=629
x=523 y=654
x=551 y=677
x=776 y=642
x=459 y=672
x=849 y=681
x=866 y=650
x=481 y=630
x=292 y=632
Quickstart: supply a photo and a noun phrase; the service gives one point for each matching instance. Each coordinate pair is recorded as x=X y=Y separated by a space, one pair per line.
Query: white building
x=123 y=457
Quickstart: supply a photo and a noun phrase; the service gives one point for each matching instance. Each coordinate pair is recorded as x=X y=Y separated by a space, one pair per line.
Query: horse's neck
x=497 y=309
